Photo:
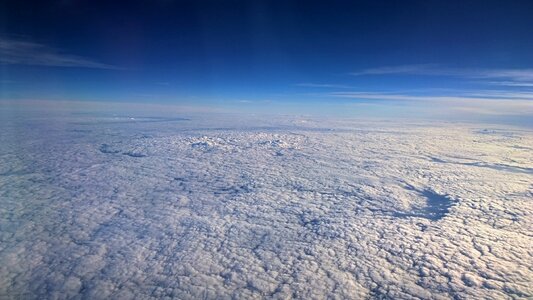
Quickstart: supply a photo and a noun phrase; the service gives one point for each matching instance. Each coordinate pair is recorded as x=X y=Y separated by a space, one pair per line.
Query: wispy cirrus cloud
x=23 y=52
x=503 y=77
x=511 y=83
x=482 y=102
x=467 y=95
x=322 y=85
x=423 y=69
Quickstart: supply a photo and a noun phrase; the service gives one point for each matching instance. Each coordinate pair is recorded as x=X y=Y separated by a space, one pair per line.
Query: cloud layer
x=212 y=207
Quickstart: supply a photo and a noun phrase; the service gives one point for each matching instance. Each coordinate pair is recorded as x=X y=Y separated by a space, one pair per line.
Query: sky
x=386 y=56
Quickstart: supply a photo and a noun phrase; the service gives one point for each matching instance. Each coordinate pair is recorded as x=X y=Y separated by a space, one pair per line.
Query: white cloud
x=516 y=77
x=483 y=102
x=424 y=69
x=22 y=52
x=511 y=83
x=322 y=85
x=219 y=206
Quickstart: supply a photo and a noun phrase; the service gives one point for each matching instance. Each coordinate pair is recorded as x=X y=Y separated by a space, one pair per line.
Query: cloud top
x=218 y=206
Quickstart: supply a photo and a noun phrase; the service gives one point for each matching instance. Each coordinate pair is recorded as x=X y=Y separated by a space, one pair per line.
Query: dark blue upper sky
x=270 y=51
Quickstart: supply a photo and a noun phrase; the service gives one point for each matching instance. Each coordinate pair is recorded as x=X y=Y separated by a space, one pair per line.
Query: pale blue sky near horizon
x=363 y=58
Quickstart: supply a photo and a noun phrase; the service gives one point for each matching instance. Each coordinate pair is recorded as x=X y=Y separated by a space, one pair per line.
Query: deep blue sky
x=265 y=51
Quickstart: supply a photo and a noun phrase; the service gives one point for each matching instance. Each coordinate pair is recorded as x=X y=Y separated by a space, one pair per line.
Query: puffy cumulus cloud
x=188 y=208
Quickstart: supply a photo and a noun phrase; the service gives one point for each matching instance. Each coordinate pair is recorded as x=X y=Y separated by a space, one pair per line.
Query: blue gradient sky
x=297 y=53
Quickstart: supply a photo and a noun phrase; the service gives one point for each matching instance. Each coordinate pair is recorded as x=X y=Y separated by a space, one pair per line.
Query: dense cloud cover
x=120 y=207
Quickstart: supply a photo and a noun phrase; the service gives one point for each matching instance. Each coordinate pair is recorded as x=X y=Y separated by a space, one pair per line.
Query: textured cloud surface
x=123 y=207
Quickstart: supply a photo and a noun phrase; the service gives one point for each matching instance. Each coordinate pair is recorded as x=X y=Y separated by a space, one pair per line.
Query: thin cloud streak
x=18 y=52
x=486 y=103
x=469 y=96
x=511 y=83
x=424 y=69
x=323 y=85
x=515 y=77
